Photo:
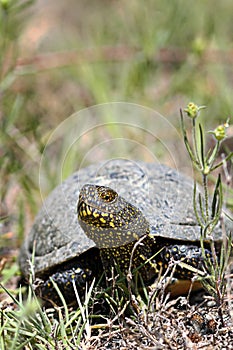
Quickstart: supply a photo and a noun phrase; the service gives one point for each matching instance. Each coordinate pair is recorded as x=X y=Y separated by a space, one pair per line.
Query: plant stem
x=219 y=303
x=206 y=198
x=194 y=136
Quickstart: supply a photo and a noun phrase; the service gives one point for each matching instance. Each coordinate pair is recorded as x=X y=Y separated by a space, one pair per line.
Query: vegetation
x=57 y=59
x=209 y=214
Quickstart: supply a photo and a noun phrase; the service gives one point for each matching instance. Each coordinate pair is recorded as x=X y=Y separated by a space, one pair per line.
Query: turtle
x=119 y=213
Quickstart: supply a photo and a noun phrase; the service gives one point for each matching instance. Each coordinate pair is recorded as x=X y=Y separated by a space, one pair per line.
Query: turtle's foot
x=189 y=259
x=65 y=281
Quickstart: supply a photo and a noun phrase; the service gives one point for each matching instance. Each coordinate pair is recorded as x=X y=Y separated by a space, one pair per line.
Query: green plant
x=28 y=325
x=208 y=210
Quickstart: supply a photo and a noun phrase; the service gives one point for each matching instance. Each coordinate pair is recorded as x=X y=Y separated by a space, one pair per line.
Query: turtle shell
x=164 y=195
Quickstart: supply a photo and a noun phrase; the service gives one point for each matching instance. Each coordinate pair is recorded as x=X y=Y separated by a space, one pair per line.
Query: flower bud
x=220 y=131
x=192 y=110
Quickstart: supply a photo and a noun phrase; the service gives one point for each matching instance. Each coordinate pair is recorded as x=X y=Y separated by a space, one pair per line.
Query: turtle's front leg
x=189 y=259
x=64 y=279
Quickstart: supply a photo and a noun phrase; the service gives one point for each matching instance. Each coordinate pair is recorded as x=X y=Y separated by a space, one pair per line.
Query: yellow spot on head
x=111 y=224
x=88 y=211
x=103 y=220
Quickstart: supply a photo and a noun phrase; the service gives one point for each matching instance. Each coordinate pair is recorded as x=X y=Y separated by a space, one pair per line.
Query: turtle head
x=107 y=218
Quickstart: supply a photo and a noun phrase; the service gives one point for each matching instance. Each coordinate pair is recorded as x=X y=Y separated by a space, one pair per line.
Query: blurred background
x=58 y=58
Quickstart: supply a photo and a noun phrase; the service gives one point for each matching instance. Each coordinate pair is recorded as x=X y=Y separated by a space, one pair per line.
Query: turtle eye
x=107 y=194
